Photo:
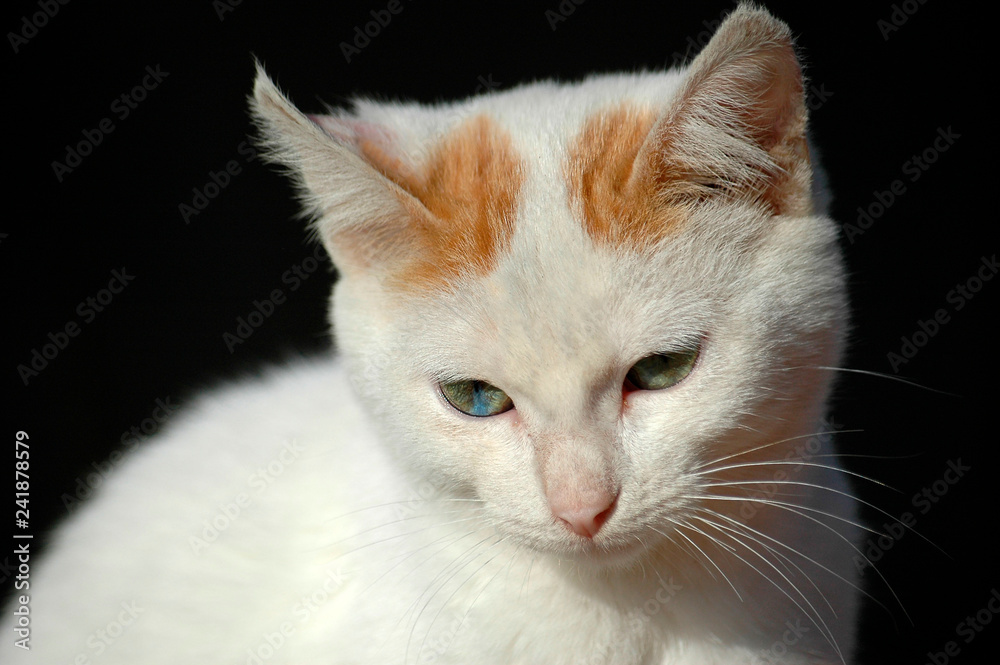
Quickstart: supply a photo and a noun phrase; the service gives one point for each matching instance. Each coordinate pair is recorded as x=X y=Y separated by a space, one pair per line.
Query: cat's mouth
x=601 y=551
x=605 y=557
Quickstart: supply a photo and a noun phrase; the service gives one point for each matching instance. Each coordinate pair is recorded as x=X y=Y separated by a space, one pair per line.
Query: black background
x=880 y=99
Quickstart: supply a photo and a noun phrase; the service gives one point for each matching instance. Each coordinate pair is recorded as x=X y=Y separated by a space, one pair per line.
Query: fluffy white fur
x=376 y=524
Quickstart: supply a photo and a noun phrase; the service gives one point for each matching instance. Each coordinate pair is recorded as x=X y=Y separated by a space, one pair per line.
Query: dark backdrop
x=888 y=83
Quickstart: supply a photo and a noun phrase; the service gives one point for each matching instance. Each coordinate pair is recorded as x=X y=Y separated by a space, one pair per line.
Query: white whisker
x=710 y=560
x=776 y=443
x=444 y=604
x=792 y=509
x=793 y=462
x=409 y=554
x=797 y=483
x=431 y=591
x=391 y=522
x=527 y=577
x=736 y=523
x=830 y=489
x=400 y=503
x=398 y=535
x=815 y=617
x=783 y=559
x=787 y=506
x=875 y=374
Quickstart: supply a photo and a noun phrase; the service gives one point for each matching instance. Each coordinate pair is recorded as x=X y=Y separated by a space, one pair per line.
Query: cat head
x=564 y=299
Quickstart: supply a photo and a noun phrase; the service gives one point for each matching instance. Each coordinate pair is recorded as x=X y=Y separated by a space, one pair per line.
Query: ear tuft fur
x=351 y=202
x=738 y=125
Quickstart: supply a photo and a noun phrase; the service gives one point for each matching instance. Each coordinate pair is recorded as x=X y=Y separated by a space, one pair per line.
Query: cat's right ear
x=361 y=215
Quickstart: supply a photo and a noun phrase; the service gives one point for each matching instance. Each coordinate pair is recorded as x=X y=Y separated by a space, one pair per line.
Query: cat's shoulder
x=229 y=445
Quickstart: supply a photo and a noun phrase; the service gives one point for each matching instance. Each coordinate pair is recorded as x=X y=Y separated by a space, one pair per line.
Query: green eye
x=476 y=398
x=662 y=370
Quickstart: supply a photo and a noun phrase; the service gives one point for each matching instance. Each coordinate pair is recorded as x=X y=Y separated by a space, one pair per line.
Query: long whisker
x=793 y=462
x=781 y=557
x=642 y=566
x=800 y=483
x=710 y=560
x=400 y=535
x=391 y=522
x=741 y=525
x=787 y=506
x=447 y=600
x=490 y=581
x=434 y=554
x=397 y=503
x=431 y=591
x=791 y=508
x=691 y=554
x=776 y=443
x=875 y=374
x=850 y=496
x=510 y=564
x=862 y=456
x=827 y=634
x=404 y=615
x=527 y=577
x=409 y=554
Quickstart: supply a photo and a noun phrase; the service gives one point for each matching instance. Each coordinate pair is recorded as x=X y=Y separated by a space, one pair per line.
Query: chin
x=603 y=553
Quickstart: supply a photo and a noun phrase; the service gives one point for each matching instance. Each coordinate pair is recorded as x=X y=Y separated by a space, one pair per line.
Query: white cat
x=576 y=416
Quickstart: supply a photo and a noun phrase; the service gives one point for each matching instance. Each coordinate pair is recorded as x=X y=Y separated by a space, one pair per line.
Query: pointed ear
x=738 y=124
x=361 y=215
x=420 y=220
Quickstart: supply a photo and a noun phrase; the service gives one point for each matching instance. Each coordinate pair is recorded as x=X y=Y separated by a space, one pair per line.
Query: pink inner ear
x=334 y=127
x=781 y=101
x=350 y=131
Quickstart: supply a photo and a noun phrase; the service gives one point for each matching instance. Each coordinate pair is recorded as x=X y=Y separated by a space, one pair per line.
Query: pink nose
x=585 y=518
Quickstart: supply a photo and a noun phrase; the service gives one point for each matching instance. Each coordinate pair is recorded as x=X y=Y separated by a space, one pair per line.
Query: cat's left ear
x=737 y=126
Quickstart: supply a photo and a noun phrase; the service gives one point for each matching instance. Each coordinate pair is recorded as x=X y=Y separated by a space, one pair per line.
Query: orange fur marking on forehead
x=617 y=209
x=462 y=201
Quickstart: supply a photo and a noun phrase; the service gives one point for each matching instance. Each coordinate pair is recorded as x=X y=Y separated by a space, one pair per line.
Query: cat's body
x=546 y=240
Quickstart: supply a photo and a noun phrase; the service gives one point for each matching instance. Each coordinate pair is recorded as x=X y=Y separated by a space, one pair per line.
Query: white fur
x=423 y=535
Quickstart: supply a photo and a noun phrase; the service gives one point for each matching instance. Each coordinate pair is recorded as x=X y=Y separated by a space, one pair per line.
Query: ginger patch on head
x=618 y=205
x=462 y=202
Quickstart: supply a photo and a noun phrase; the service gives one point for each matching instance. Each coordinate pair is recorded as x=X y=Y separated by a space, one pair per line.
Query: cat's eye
x=662 y=370
x=476 y=398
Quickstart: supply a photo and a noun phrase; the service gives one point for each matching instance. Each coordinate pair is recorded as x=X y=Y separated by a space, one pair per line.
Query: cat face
x=566 y=300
